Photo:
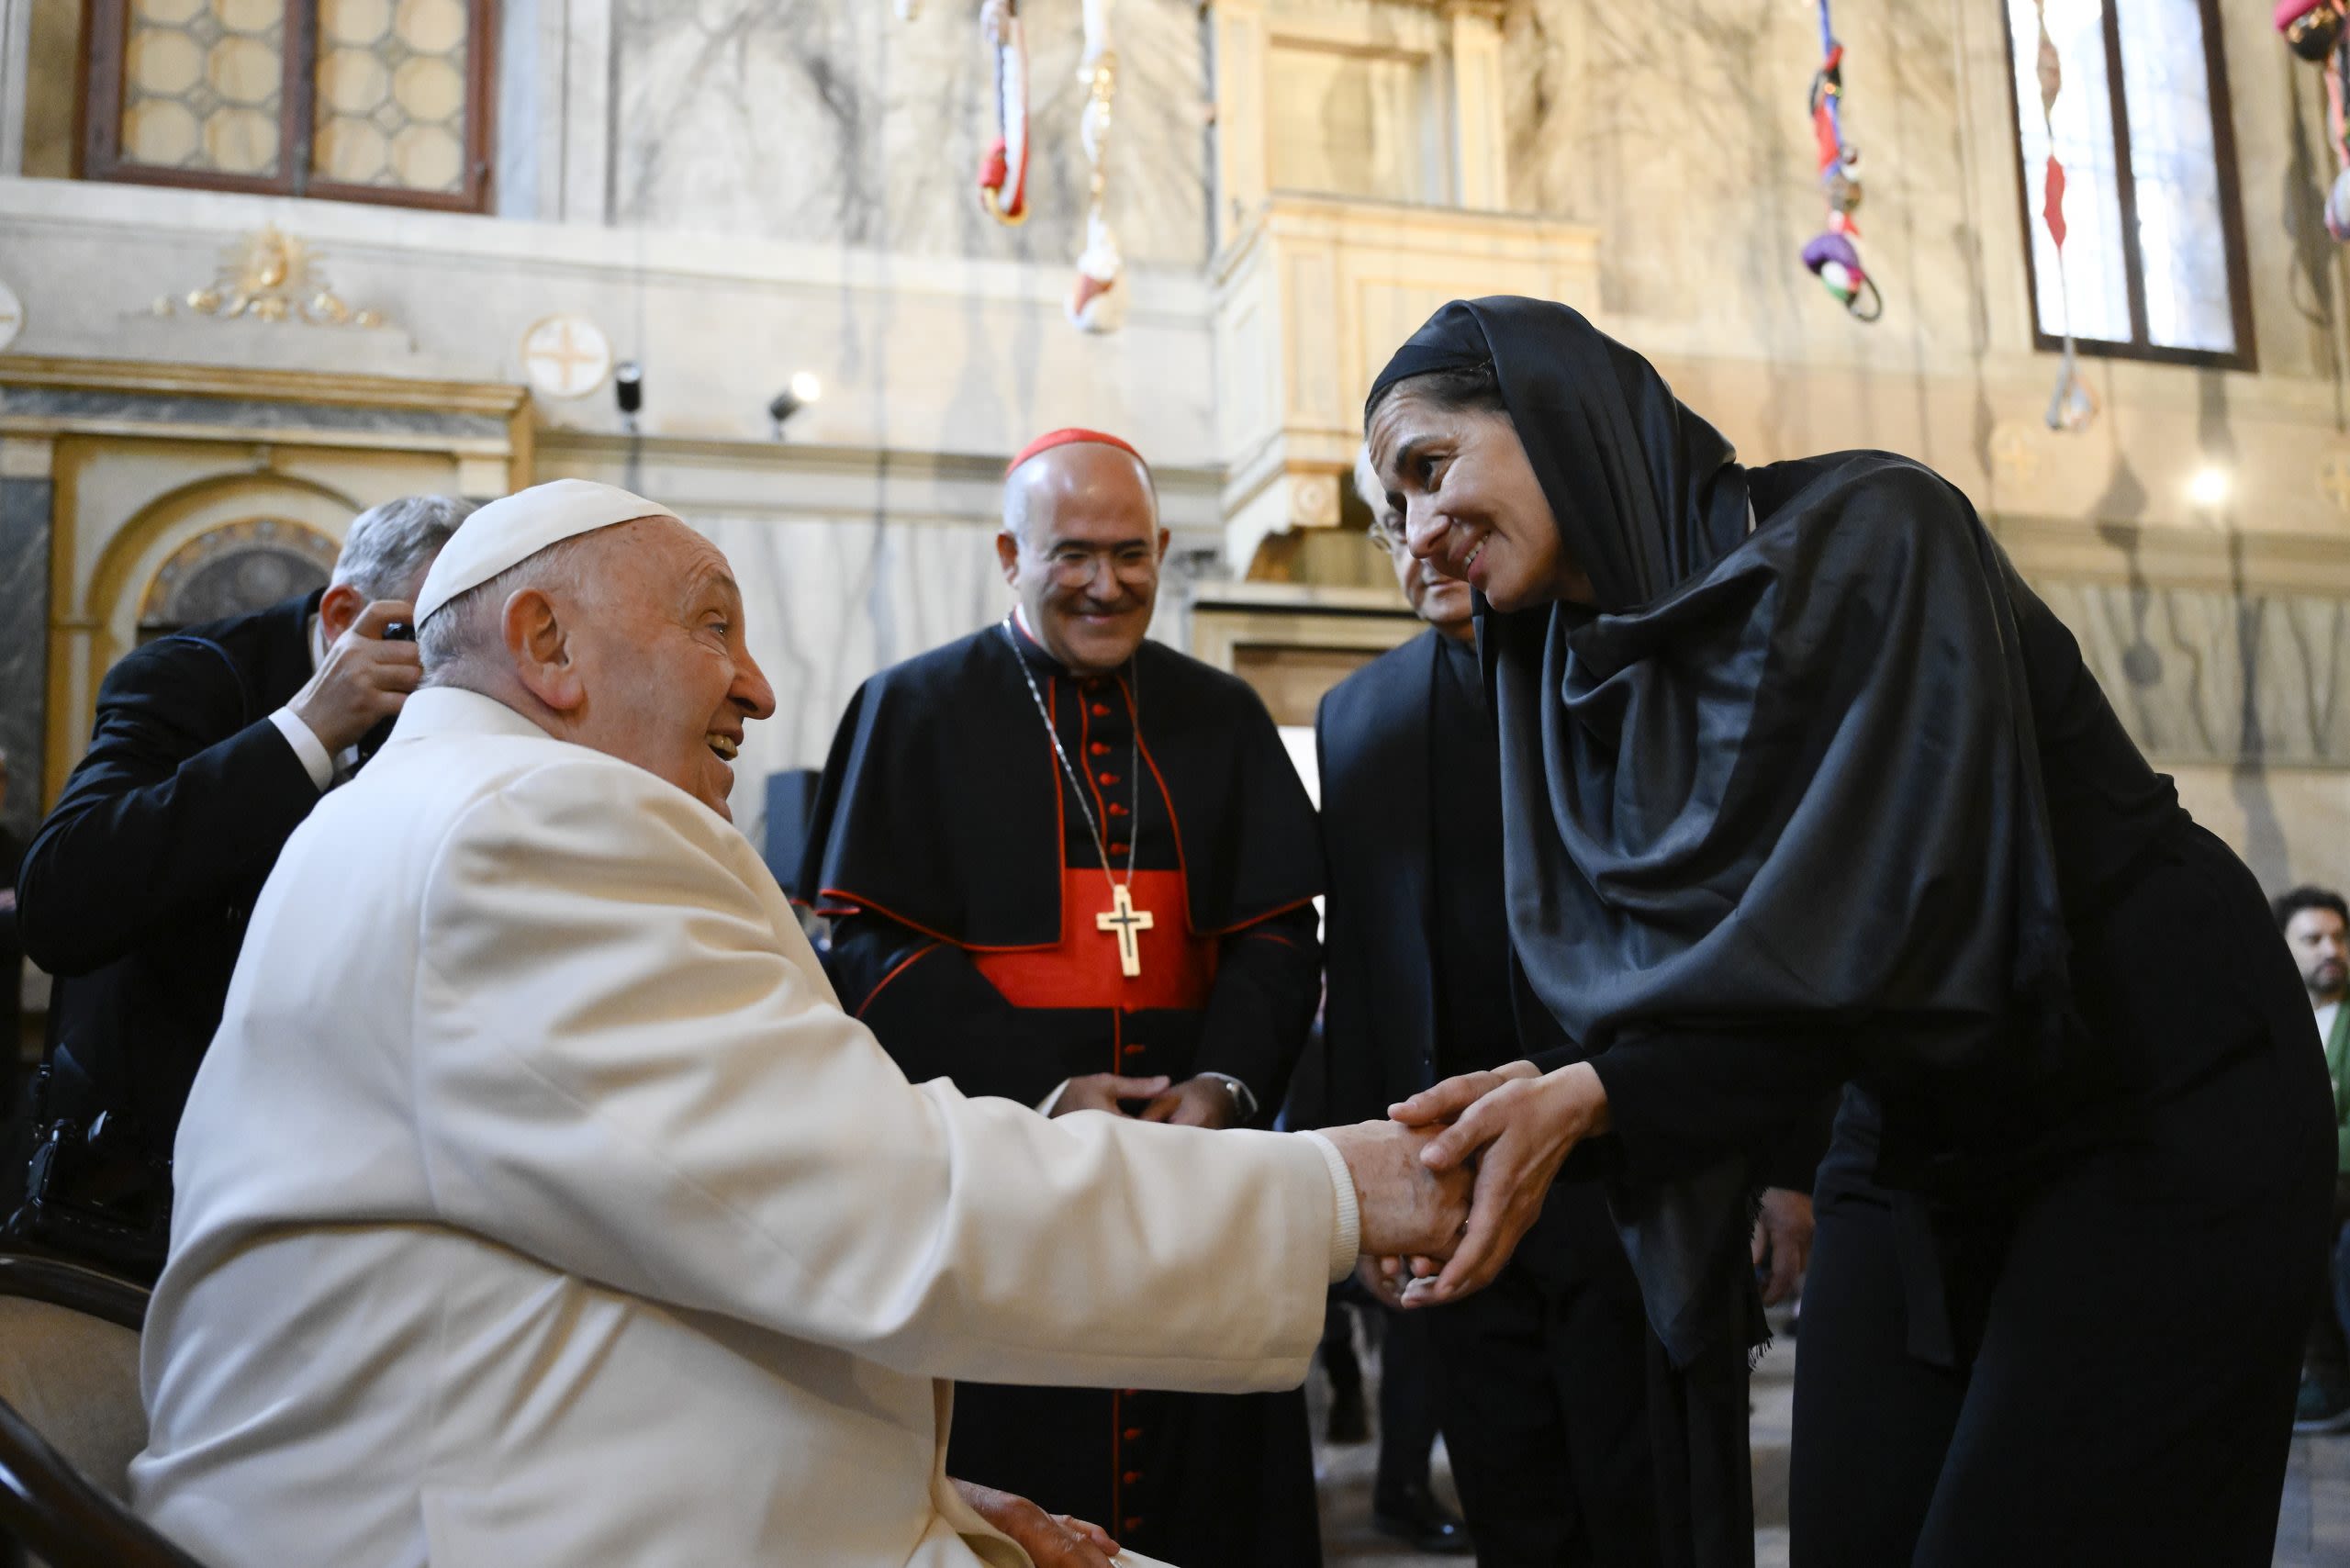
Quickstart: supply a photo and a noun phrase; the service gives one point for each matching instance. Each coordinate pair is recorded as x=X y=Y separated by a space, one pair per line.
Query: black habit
x=136 y=889
x=958 y=863
x=1540 y=1389
x=1837 y=801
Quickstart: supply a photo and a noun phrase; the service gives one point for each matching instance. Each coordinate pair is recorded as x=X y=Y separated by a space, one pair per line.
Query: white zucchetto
x=510 y=530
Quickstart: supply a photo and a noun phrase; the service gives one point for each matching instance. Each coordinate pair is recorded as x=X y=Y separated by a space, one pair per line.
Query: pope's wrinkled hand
x=1409 y=1208
x=1516 y=1125
x=1051 y=1540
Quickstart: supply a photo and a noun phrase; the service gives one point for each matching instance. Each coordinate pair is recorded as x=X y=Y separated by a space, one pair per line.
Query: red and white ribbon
x=1097 y=299
x=1003 y=170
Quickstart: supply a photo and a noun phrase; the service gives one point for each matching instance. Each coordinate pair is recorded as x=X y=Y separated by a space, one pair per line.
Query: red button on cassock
x=1100 y=711
x=1132 y=1476
x=1132 y=1433
x=1109 y=778
x=1118 y=848
x=1116 y=810
x=1100 y=748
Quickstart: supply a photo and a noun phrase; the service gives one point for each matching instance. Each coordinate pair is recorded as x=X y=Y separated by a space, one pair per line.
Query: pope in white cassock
x=537 y=1205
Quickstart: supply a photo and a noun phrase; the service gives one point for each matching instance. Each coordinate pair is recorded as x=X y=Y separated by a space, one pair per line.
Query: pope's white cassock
x=538 y=1205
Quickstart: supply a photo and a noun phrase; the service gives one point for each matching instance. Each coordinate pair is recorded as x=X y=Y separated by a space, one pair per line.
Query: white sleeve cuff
x=1044 y=1107
x=316 y=762
x=1346 y=1237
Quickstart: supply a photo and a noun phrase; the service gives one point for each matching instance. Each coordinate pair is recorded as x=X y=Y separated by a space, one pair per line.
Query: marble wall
x=25 y=502
x=830 y=600
x=1679 y=126
x=813 y=121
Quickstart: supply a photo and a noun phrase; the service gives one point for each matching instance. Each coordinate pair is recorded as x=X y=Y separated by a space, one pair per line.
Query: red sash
x=1082 y=970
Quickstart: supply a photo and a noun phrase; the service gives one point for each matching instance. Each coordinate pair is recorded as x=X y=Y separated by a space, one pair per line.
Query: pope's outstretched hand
x=1408 y=1207
x=1516 y=1125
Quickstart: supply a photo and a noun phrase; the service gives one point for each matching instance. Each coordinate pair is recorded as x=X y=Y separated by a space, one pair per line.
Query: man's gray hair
x=1383 y=529
x=470 y=625
x=389 y=547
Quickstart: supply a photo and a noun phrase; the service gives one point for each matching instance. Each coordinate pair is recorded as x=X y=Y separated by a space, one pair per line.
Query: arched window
x=2154 y=254
x=234 y=570
x=359 y=100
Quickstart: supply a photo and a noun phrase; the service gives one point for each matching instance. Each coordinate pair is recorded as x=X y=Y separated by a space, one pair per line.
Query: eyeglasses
x=1075 y=565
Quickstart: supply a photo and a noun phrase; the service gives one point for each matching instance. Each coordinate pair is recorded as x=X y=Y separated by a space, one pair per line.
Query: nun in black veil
x=1803 y=787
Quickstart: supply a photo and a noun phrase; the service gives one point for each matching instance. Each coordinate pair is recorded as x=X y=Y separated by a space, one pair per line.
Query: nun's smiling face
x=1470 y=503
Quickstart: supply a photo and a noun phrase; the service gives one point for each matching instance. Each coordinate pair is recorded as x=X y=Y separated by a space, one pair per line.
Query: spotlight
x=628 y=390
x=805 y=388
x=2209 y=487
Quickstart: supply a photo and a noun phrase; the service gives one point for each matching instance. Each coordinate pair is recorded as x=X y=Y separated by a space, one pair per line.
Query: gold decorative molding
x=270 y=276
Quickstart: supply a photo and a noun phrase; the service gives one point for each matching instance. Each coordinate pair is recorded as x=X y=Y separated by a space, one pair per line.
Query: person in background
x=1404 y=1502
x=2316 y=925
x=1540 y=1381
x=1074 y=869
x=210 y=747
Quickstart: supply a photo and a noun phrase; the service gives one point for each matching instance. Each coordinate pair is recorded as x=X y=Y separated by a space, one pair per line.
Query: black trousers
x=1408 y=1412
x=2328 y=1352
x=2125 y=1337
x=1542 y=1393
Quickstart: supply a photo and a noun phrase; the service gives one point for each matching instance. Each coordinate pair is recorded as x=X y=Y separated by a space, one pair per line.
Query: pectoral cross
x=1126 y=921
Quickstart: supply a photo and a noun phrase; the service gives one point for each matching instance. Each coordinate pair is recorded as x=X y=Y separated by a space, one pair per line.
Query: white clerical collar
x=452 y=709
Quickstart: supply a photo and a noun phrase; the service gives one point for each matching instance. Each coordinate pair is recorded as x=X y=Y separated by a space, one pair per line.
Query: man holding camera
x=210 y=746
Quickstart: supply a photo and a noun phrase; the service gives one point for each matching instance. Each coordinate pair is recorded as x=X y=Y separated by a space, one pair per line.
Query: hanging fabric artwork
x=2313 y=29
x=1832 y=255
x=1097 y=299
x=1097 y=303
x=1003 y=168
x=2071 y=404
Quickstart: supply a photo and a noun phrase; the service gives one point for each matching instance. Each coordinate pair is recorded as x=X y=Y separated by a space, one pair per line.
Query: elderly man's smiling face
x=666 y=680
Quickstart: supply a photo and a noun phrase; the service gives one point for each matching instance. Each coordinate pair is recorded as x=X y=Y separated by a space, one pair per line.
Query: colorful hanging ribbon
x=1003 y=169
x=1096 y=301
x=2315 y=30
x=2071 y=404
x=1832 y=256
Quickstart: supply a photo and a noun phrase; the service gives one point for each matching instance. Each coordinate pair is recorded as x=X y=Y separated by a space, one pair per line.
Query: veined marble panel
x=2200 y=675
x=829 y=601
x=24 y=506
x=89 y=405
x=1681 y=131
x=816 y=121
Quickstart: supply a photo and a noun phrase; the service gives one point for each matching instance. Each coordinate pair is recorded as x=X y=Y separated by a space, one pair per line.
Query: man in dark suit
x=1541 y=1380
x=210 y=747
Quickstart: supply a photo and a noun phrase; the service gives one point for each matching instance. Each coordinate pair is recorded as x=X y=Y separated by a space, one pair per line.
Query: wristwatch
x=1244 y=1099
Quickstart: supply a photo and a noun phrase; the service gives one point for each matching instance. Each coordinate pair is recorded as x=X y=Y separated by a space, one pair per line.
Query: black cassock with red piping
x=952 y=845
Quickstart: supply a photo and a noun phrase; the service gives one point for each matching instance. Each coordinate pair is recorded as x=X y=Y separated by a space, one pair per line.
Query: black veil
x=1780 y=780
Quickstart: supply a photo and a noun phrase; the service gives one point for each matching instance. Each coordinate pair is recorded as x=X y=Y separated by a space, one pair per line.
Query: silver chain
x=1133 y=768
